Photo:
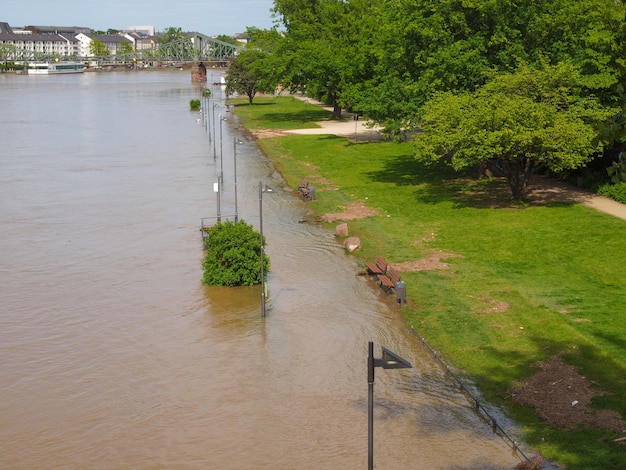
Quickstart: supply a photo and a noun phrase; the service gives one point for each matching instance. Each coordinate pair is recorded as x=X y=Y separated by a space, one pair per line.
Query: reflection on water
x=115 y=356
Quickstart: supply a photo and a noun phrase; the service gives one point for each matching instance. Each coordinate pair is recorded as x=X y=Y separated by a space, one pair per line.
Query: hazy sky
x=210 y=17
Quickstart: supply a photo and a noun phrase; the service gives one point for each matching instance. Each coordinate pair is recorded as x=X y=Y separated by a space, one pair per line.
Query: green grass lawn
x=558 y=267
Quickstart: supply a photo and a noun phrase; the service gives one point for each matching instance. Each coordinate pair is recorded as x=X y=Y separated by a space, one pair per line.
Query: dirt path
x=558 y=191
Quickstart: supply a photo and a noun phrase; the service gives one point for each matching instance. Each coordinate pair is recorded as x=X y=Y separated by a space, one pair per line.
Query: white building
x=50 y=44
x=113 y=43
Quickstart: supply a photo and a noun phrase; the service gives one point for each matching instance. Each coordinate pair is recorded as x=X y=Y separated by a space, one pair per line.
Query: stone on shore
x=352 y=244
x=341 y=230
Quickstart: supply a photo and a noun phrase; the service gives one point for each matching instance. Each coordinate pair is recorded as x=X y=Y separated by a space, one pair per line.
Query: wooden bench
x=305 y=189
x=388 y=280
x=378 y=268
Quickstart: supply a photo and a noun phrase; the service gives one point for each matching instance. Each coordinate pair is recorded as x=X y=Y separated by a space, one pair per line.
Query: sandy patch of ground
x=354 y=211
x=431 y=263
x=562 y=398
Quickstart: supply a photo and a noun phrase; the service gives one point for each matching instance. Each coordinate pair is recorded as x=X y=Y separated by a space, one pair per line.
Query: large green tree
x=518 y=123
x=322 y=49
x=423 y=47
x=247 y=74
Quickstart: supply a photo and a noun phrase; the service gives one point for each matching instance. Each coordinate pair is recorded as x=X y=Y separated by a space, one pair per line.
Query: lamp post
x=214 y=151
x=216 y=190
x=262 y=190
x=221 y=153
x=388 y=361
x=235 y=142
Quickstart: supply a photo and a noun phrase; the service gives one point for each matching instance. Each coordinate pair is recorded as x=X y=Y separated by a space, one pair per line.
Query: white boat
x=50 y=68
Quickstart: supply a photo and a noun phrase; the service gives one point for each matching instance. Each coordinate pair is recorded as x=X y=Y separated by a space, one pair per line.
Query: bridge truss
x=194 y=47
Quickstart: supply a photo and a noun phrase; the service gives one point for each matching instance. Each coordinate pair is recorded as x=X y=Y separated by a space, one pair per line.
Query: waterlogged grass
x=558 y=269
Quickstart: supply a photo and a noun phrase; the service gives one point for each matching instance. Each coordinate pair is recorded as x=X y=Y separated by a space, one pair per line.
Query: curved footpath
x=555 y=189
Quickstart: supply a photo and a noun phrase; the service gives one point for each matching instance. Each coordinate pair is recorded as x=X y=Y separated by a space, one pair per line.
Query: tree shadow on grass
x=438 y=182
x=306 y=114
x=434 y=183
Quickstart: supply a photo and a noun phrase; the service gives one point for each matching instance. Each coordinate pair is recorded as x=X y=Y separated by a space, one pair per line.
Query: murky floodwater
x=112 y=353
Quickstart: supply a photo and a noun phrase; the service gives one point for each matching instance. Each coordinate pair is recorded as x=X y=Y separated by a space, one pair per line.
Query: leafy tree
x=421 y=47
x=227 y=39
x=233 y=255
x=98 y=48
x=519 y=123
x=171 y=34
x=318 y=52
x=247 y=75
x=125 y=48
x=7 y=51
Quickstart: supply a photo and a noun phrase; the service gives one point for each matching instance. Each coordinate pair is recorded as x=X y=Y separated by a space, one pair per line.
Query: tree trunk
x=336 y=107
x=517 y=172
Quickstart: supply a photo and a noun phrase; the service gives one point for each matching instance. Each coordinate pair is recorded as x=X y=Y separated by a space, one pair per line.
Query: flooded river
x=114 y=355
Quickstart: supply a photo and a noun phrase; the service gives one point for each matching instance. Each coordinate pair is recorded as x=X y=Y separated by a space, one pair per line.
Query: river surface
x=112 y=352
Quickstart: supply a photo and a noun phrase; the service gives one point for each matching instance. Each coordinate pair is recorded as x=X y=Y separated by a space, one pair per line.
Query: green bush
x=233 y=255
x=194 y=105
x=614 y=191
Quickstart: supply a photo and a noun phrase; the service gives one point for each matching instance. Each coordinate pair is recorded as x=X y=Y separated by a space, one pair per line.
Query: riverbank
x=515 y=295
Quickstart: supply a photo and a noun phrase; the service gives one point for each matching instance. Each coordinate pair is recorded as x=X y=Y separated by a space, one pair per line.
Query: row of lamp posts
x=389 y=360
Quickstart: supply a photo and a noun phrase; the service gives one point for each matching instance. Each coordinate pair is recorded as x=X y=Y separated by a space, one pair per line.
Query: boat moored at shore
x=51 y=68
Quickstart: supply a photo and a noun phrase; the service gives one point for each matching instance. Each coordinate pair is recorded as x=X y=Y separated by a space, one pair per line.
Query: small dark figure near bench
x=388 y=281
x=378 y=268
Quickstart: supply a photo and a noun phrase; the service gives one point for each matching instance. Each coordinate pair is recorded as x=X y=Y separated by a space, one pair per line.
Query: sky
x=209 y=17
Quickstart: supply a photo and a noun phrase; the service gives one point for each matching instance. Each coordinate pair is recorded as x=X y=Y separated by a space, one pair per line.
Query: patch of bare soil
x=541 y=191
x=490 y=305
x=562 y=398
x=354 y=211
x=266 y=133
x=544 y=191
x=431 y=263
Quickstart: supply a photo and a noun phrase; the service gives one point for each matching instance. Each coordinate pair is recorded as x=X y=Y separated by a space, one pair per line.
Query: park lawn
x=284 y=114
x=555 y=271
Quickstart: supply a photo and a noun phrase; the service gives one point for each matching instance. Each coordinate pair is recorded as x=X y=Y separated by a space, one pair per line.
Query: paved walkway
x=356 y=129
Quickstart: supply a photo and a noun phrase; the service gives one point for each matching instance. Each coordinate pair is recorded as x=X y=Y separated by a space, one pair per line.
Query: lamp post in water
x=262 y=190
x=235 y=142
x=388 y=361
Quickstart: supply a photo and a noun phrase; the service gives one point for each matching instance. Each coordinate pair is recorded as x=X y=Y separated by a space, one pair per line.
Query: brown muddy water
x=114 y=355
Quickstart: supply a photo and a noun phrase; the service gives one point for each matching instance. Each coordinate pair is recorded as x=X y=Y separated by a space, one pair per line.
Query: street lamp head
x=268 y=189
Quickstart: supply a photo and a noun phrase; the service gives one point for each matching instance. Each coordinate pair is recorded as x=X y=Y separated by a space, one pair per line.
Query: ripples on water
x=115 y=356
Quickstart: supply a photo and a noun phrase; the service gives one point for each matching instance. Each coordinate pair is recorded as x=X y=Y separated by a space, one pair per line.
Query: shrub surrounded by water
x=233 y=255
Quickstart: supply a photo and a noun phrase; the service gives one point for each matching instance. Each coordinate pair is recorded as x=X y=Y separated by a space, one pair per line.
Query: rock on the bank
x=341 y=230
x=352 y=244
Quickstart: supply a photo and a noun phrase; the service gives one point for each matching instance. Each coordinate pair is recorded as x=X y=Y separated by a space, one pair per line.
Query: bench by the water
x=387 y=276
x=389 y=280
x=377 y=268
x=307 y=191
